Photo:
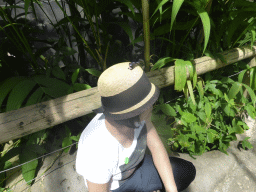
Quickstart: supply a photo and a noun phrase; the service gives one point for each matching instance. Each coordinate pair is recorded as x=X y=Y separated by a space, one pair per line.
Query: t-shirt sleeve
x=94 y=162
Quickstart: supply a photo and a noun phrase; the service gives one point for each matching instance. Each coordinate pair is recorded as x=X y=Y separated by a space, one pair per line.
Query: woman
x=111 y=150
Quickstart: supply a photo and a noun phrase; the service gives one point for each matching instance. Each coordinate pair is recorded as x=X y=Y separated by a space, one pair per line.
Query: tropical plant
x=210 y=121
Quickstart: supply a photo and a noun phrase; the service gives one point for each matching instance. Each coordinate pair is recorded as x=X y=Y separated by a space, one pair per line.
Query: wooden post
x=21 y=122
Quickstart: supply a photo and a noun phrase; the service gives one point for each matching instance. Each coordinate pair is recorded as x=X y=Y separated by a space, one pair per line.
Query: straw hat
x=125 y=91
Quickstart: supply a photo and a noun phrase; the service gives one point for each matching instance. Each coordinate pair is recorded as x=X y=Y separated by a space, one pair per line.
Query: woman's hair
x=131 y=122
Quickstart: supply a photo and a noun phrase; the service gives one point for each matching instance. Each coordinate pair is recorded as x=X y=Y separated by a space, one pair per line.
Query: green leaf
x=210 y=137
x=68 y=133
x=190 y=69
x=194 y=78
x=75 y=138
x=229 y=138
x=207 y=26
x=202 y=116
x=229 y=111
x=208 y=110
x=214 y=90
x=94 y=72
x=81 y=87
x=234 y=24
x=35 y=97
x=52 y=87
x=200 y=88
x=179 y=109
x=253 y=35
x=159 y=7
x=227 y=80
x=26 y=5
x=8 y=85
x=74 y=75
x=28 y=169
x=188 y=117
x=162 y=62
x=183 y=122
x=226 y=97
x=251 y=93
x=175 y=9
x=68 y=50
x=192 y=136
x=66 y=142
x=164 y=13
x=126 y=27
x=10 y=154
x=198 y=129
x=36 y=137
x=161 y=100
x=168 y=110
x=7 y=165
x=249 y=25
x=223 y=148
x=37 y=149
x=246 y=144
x=216 y=105
x=128 y=4
x=19 y=94
x=250 y=110
x=243 y=124
x=57 y=72
x=183 y=140
x=137 y=40
x=254 y=88
x=238 y=129
x=180 y=74
x=201 y=104
x=236 y=87
x=252 y=77
x=192 y=105
x=191 y=91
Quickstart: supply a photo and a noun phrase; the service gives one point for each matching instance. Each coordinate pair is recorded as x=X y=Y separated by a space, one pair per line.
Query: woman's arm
x=160 y=158
x=159 y=154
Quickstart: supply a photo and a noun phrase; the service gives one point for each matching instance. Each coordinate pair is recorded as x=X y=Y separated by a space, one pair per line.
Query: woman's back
x=101 y=155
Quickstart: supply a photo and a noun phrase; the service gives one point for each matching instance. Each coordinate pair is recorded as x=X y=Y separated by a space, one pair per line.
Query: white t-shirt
x=101 y=158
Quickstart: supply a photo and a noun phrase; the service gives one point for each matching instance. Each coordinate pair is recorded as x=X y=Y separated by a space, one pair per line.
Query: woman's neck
x=113 y=126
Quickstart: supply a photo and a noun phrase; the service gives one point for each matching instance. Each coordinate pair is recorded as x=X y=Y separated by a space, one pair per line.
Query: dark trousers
x=147 y=179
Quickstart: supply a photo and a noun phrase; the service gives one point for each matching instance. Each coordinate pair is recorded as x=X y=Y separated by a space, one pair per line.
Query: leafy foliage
x=212 y=122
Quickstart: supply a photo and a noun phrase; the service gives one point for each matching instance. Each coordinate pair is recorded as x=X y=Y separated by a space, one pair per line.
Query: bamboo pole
x=146 y=32
x=24 y=121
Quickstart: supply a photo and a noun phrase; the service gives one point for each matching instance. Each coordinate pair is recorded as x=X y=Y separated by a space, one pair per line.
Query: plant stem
x=86 y=44
x=74 y=12
x=145 y=13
